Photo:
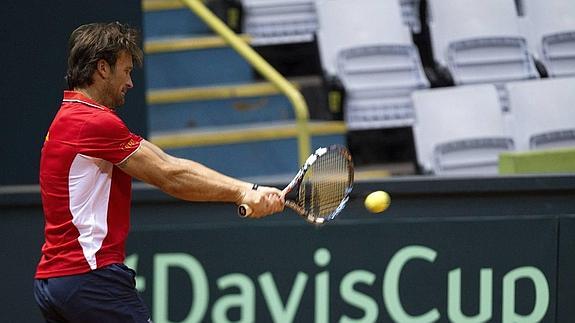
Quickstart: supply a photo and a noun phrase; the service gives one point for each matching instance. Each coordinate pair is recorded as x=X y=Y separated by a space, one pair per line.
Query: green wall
x=444 y=247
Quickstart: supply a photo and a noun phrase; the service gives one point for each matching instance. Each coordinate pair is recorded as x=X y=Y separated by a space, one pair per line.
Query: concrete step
x=193 y=61
x=219 y=112
x=191 y=107
x=162 y=18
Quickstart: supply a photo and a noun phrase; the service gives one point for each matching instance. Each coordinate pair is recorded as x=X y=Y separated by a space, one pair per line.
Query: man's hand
x=263 y=201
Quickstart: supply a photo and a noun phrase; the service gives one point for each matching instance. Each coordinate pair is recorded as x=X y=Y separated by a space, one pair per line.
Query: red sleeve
x=106 y=136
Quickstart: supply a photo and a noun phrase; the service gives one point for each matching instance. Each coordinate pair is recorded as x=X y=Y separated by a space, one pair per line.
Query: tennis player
x=87 y=163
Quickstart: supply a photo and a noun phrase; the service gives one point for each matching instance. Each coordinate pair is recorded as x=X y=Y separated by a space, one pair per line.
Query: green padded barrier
x=540 y=161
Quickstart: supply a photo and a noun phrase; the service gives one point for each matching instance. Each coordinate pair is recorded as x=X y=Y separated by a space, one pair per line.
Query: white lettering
x=541 y=295
x=357 y=299
x=285 y=309
x=279 y=312
x=245 y=300
x=194 y=269
x=391 y=284
x=454 y=311
x=322 y=258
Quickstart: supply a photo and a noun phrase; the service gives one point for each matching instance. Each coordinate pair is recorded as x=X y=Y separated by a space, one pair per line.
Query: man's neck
x=93 y=94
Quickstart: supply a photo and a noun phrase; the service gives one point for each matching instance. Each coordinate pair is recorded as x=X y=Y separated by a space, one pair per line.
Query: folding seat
x=460 y=130
x=550 y=26
x=365 y=45
x=543 y=113
x=279 y=21
x=479 y=41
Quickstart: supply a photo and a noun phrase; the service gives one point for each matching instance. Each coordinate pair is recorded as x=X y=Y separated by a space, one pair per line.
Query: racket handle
x=244 y=210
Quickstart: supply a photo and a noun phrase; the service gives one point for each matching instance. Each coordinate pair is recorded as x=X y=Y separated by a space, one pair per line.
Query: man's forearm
x=192 y=181
x=213 y=174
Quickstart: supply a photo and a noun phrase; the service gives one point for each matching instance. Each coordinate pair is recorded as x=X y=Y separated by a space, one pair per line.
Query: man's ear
x=103 y=68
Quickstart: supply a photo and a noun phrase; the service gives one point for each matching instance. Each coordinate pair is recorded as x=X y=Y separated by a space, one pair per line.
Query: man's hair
x=92 y=42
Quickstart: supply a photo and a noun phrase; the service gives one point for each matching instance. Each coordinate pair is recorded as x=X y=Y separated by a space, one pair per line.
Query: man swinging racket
x=87 y=163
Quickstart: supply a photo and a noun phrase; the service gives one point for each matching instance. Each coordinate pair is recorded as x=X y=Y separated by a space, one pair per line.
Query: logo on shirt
x=131 y=144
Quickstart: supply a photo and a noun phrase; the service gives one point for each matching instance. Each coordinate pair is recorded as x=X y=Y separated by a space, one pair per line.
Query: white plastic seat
x=366 y=45
x=346 y=24
x=480 y=41
x=543 y=113
x=378 y=82
x=460 y=130
x=279 y=21
x=550 y=26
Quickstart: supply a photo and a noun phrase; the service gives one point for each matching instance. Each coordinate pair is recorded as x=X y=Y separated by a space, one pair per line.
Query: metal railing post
x=264 y=68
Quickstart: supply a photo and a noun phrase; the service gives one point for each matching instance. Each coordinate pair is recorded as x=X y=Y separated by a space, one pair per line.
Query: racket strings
x=326 y=184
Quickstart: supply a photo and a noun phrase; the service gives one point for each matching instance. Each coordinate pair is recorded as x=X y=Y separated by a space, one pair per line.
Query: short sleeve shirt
x=85 y=196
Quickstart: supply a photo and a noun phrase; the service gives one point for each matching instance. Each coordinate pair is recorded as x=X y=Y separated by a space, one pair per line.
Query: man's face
x=120 y=80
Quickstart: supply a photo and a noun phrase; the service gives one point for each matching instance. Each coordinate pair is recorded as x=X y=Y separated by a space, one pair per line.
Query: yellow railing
x=264 y=68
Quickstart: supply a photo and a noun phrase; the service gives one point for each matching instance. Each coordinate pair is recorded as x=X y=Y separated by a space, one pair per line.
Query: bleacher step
x=219 y=112
x=176 y=43
x=171 y=17
x=241 y=134
x=229 y=104
x=189 y=61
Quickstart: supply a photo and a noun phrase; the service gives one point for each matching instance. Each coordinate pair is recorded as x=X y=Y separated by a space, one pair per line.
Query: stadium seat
x=542 y=113
x=459 y=130
x=479 y=41
x=550 y=26
x=279 y=21
x=366 y=46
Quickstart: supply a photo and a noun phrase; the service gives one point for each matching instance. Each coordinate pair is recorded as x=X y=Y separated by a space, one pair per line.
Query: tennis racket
x=321 y=188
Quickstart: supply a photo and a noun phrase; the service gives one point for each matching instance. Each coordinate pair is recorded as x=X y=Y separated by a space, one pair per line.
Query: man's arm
x=192 y=181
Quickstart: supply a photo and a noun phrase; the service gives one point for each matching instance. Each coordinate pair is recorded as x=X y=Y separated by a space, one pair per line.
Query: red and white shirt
x=85 y=196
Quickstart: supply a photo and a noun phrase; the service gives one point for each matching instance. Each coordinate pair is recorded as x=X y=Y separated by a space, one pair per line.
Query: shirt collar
x=74 y=96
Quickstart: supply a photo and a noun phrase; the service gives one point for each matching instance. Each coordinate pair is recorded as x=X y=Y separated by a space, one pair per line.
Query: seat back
x=550 y=25
x=459 y=130
x=480 y=41
x=346 y=24
x=366 y=45
x=550 y=16
x=451 y=21
x=380 y=67
x=279 y=21
x=543 y=113
x=378 y=81
x=490 y=60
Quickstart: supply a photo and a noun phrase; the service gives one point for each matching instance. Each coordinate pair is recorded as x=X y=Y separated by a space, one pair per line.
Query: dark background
x=34 y=40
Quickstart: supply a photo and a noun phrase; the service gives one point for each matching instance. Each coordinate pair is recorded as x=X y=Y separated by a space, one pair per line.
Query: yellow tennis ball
x=377 y=201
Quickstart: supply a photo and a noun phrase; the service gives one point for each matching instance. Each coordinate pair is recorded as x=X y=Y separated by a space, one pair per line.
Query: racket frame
x=244 y=210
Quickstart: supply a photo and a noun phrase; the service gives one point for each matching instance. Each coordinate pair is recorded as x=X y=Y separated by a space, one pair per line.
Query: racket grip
x=244 y=210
